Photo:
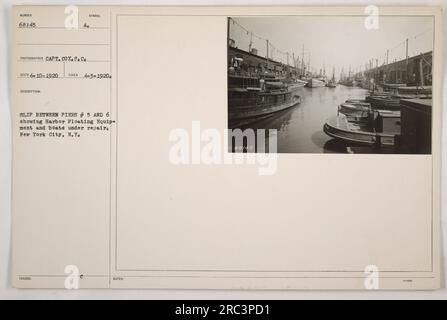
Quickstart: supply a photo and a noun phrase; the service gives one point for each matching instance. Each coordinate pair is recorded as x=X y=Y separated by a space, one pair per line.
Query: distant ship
x=347 y=82
x=316 y=82
x=331 y=83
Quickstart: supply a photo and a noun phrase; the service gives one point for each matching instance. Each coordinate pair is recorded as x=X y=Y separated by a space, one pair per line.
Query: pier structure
x=252 y=64
x=411 y=71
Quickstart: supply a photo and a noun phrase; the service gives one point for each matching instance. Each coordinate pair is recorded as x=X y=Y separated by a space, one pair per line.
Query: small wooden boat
x=357 y=109
x=416 y=90
x=384 y=101
x=378 y=129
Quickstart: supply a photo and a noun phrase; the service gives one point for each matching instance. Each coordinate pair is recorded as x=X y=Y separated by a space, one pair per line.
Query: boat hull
x=338 y=127
x=242 y=116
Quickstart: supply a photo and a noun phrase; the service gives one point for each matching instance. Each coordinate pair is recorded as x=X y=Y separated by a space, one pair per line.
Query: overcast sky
x=336 y=41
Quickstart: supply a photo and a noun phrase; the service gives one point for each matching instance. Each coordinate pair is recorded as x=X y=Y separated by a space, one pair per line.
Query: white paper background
x=6 y=292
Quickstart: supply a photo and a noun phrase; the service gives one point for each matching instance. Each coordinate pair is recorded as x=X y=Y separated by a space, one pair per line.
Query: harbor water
x=300 y=128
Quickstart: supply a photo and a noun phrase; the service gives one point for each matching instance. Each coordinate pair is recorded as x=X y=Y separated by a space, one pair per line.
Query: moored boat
x=315 y=83
x=347 y=82
x=362 y=101
x=247 y=104
x=392 y=86
x=384 y=101
x=377 y=129
x=296 y=84
x=331 y=84
x=391 y=101
x=353 y=108
x=416 y=90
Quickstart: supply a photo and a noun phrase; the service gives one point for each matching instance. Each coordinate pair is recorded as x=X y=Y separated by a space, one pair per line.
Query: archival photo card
x=122 y=173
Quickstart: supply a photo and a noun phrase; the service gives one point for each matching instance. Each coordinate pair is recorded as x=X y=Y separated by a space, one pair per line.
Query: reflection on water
x=300 y=128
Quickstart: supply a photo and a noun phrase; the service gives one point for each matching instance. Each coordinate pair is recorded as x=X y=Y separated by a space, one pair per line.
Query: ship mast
x=303 y=65
x=308 y=63
x=228 y=31
x=251 y=42
x=267 y=40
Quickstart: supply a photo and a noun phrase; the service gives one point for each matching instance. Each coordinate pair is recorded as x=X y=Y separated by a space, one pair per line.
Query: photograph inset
x=330 y=84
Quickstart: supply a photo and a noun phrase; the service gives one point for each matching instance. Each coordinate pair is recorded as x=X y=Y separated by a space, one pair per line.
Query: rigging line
x=414 y=37
x=255 y=35
x=247 y=31
x=398 y=45
x=422 y=33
